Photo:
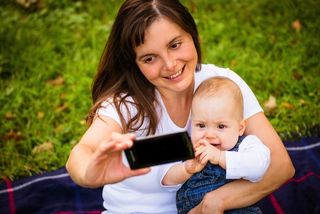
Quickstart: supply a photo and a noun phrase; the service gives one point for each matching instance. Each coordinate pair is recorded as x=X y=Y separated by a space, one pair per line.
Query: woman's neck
x=178 y=106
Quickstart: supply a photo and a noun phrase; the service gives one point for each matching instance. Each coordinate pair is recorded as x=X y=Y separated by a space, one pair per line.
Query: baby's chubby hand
x=205 y=152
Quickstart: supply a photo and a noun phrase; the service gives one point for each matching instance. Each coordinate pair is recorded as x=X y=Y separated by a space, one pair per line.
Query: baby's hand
x=206 y=152
x=193 y=166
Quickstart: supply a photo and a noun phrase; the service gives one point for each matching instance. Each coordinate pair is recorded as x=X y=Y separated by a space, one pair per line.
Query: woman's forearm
x=242 y=193
x=245 y=193
x=76 y=164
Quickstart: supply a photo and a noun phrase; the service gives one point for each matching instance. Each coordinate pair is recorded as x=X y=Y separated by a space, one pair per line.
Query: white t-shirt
x=145 y=193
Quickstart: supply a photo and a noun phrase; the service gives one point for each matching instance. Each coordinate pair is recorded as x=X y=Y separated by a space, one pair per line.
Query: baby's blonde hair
x=219 y=85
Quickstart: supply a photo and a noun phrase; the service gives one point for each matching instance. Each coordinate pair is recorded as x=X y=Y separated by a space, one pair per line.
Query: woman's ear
x=242 y=127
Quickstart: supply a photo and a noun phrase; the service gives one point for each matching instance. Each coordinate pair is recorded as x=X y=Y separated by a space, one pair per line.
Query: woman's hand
x=209 y=204
x=96 y=160
x=106 y=166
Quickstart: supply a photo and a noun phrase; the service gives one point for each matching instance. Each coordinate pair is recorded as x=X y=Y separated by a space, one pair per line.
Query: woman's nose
x=169 y=62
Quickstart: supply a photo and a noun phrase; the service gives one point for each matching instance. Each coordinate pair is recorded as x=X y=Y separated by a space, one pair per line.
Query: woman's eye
x=176 y=45
x=148 y=59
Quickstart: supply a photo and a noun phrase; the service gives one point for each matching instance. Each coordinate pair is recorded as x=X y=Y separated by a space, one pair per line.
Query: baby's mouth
x=216 y=144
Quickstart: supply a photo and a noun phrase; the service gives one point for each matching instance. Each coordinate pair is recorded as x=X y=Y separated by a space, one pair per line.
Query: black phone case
x=161 y=149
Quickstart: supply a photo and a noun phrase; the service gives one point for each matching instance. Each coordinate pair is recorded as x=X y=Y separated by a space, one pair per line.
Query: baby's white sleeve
x=250 y=162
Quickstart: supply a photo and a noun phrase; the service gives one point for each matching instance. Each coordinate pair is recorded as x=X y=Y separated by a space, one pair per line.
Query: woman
x=148 y=72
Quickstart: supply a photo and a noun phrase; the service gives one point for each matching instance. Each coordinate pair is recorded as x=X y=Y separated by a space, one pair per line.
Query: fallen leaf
x=57 y=81
x=287 y=105
x=271 y=103
x=61 y=107
x=40 y=114
x=9 y=116
x=59 y=128
x=47 y=146
x=193 y=7
x=297 y=76
x=233 y=63
x=26 y=3
x=63 y=96
x=302 y=102
x=296 y=25
x=12 y=135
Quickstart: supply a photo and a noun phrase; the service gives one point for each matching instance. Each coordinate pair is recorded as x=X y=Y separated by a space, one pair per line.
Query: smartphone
x=161 y=149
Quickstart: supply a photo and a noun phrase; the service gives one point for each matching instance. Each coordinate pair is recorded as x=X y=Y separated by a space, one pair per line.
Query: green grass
x=49 y=54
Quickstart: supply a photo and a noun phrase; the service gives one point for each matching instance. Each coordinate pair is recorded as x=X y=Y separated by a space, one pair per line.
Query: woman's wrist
x=212 y=203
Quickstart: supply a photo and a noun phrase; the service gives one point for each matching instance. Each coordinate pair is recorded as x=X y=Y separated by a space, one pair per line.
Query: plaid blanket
x=50 y=192
x=301 y=194
x=55 y=192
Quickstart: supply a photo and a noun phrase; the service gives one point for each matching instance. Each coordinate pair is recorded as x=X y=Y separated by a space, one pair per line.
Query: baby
x=222 y=152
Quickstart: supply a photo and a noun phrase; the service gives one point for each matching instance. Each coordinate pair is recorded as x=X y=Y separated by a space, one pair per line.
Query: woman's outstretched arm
x=96 y=160
x=243 y=193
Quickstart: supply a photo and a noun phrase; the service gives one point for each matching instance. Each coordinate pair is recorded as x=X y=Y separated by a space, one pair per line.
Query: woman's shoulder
x=122 y=98
x=109 y=106
x=211 y=70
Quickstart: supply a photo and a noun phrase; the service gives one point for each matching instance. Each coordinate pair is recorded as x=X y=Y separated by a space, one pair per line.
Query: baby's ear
x=242 y=127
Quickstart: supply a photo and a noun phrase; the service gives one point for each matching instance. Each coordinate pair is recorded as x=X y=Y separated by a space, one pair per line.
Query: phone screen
x=161 y=149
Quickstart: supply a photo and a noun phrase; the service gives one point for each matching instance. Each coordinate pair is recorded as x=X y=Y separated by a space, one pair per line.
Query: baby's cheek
x=196 y=136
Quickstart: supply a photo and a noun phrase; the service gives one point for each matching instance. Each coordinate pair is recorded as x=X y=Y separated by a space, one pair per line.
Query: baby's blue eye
x=221 y=126
x=200 y=125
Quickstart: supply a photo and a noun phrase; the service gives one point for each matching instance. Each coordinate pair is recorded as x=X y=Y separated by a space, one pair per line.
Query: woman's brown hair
x=118 y=76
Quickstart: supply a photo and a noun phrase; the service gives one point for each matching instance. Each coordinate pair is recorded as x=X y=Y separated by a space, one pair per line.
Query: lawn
x=49 y=53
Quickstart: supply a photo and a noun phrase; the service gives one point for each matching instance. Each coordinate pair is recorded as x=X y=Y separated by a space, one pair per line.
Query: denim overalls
x=210 y=178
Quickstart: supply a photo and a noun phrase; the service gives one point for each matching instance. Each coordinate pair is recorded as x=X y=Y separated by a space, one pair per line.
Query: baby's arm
x=181 y=172
x=250 y=162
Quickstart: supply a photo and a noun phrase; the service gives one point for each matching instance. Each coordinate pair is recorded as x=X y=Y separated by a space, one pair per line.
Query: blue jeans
x=210 y=178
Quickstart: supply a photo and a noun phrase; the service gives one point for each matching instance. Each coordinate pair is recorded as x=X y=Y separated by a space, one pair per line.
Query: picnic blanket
x=50 y=192
x=301 y=194
x=55 y=192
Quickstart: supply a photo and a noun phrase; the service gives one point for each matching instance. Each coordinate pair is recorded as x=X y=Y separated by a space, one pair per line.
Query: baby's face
x=215 y=119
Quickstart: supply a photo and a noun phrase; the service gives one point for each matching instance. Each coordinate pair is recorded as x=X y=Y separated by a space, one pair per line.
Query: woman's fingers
x=139 y=171
x=117 y=142
x=123 y=140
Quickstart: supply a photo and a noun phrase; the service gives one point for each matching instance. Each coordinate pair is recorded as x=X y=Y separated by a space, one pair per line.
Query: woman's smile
x=176 y=75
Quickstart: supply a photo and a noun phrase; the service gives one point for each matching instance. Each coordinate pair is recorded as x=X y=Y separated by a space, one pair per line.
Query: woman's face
x=168 y=57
